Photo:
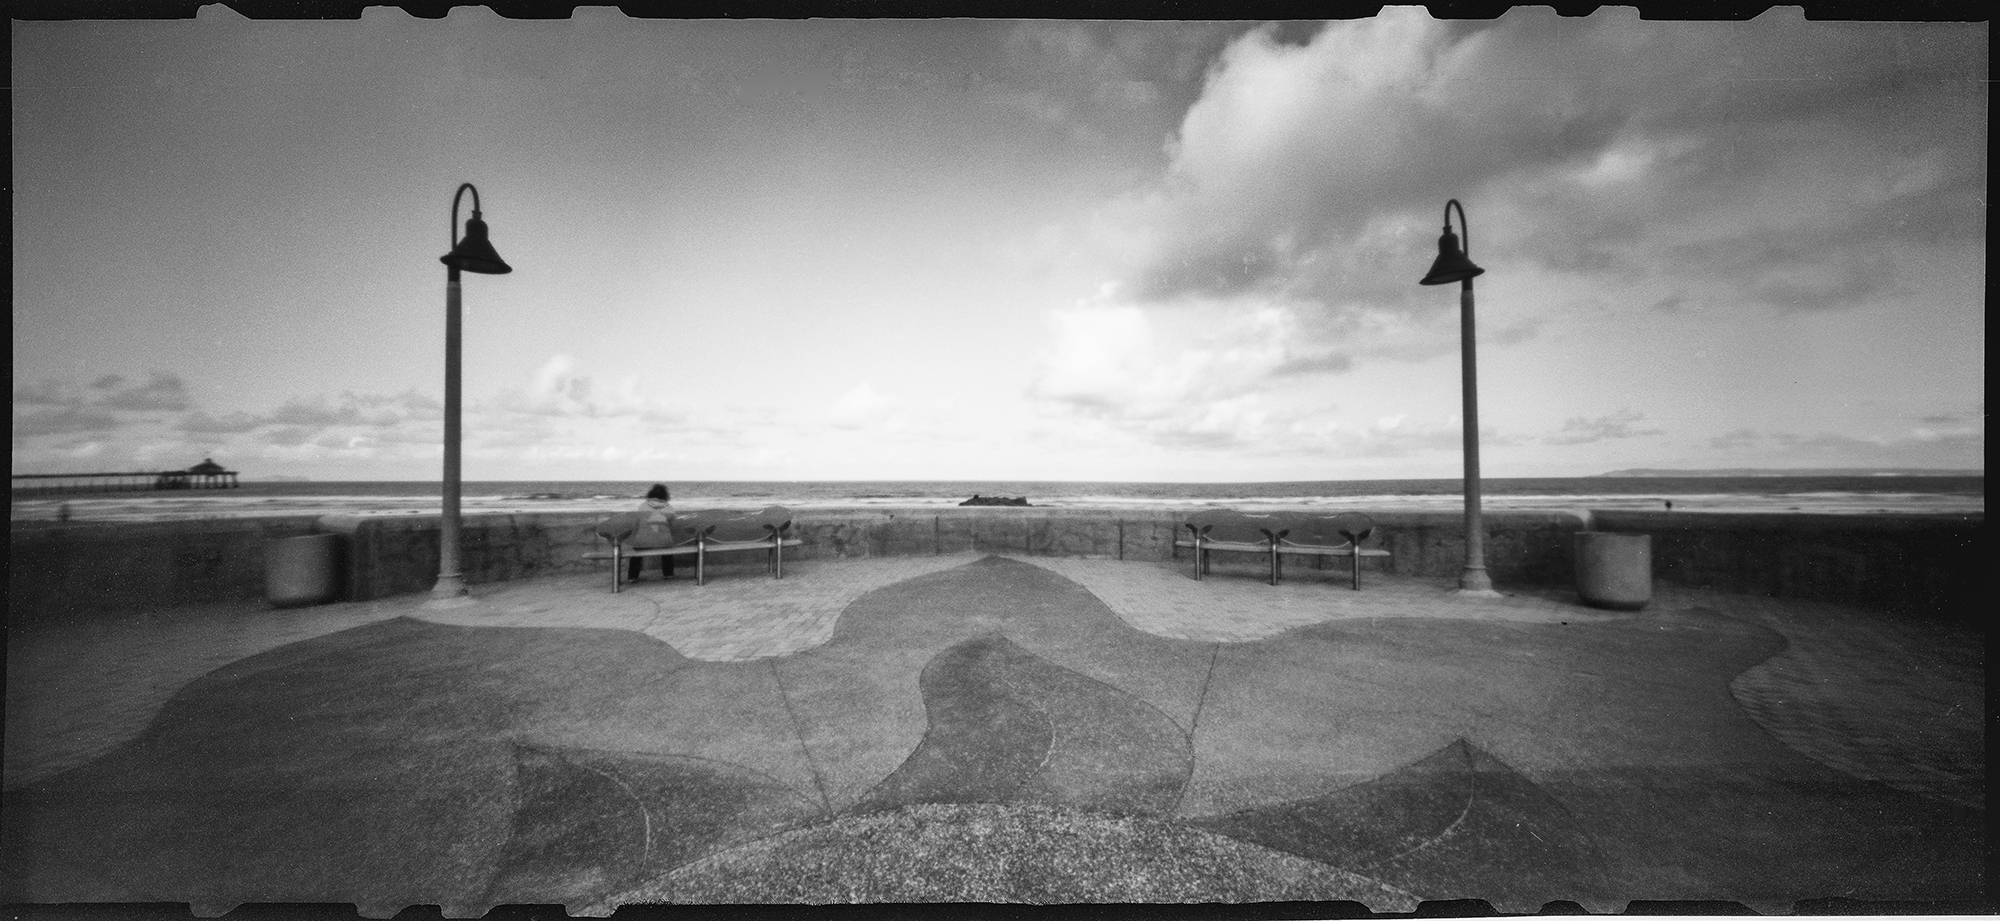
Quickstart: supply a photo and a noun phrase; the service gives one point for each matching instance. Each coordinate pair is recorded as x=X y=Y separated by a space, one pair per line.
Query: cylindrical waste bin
x=1614 y=570
x=302 y=570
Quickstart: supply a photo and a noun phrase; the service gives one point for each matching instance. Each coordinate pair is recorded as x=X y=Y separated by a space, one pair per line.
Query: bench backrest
x=760 y=524
x=1330 y=530
x=1234 y=527
x=629 y=528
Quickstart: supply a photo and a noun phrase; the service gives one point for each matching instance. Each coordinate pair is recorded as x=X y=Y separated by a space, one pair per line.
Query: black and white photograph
x=1396 y=463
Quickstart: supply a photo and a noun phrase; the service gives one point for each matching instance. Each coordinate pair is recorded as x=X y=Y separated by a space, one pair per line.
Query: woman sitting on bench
x=656 y=529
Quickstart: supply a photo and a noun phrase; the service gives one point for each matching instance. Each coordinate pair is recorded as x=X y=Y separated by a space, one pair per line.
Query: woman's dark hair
x=659 y=491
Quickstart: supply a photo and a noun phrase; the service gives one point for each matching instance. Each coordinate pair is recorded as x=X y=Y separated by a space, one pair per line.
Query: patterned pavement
x=1894 y=701
x=1889 y=700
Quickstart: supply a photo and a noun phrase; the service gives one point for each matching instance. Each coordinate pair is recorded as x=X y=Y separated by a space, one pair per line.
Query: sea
x=1841 y=494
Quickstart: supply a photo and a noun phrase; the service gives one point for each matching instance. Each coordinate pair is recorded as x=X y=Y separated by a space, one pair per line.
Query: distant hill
x=1798 y=471
x=275 y=478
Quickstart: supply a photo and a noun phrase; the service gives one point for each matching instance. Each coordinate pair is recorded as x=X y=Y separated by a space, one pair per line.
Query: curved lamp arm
x=462 y=189
x=1463 y=227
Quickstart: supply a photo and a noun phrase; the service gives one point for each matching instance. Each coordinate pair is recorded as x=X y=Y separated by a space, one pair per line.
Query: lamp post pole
x=1474 y=578
x=475 y=254
x=451 y=580
x=1456 y=265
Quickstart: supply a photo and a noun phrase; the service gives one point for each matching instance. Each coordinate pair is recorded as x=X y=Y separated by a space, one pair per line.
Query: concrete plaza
x=988 y=728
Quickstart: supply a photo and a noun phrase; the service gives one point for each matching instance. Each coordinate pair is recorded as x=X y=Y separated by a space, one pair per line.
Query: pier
x=205 y=475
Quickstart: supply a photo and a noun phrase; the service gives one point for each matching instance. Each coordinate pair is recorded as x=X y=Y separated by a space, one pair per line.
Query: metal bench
x=700 y=533
x=1328 y=535
x=1230 y=530
x=1338 y=535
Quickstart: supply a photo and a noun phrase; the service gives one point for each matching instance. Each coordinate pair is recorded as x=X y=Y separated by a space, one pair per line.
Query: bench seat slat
x=762 y=544
x=648 y=551
x=1315 y=550
x=1207 y=544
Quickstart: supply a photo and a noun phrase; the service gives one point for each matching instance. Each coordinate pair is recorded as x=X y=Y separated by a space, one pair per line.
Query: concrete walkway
x=988 y=729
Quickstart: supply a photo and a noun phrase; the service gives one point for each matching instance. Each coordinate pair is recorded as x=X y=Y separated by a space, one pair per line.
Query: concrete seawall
x=1911 y=561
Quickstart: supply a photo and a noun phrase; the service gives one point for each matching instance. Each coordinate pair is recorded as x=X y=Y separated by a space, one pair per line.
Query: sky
x=990 y=249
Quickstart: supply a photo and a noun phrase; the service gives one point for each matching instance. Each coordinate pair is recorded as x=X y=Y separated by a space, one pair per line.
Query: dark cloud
x=374 y=410
x=289 y=436
x=314 y=413
x=1672 y=304
x=426 y=432
x=47 y=393
x=62 y=421
x=1325 y=363
x=1790 y=274
x=162 y=391
x=203 y=423
x=1117 y=82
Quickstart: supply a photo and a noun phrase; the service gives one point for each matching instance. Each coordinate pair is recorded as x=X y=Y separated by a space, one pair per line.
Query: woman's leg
x=667 y=567
x=632 y=568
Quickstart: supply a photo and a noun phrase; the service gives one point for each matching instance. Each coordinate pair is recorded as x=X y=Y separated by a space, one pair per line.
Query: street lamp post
x=472 y=253
x=1454 y=264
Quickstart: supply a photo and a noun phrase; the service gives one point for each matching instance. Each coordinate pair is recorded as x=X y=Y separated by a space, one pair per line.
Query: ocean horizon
x=1838 y=494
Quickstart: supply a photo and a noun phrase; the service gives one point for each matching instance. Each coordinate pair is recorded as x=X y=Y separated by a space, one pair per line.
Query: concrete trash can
x=299 y=571
x=1614 y=570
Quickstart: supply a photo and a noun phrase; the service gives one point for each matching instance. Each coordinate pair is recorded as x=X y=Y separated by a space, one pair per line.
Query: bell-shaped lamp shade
x=1452 y=264
x=474 y=253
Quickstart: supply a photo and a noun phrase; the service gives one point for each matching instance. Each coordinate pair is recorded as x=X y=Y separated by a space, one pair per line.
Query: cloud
x=348 y=409
x=162 y=391
x=288 y=435
x=558 y=388
x=1218 y=373
x=205 y=424
x=61 y=421
x=1968 y=418
x=48 y=392
x=1606 y=148
x=1618 y=425
x=1208 y=378
x=139 y=425
x=1118 y=356
x=1097 y=80
x=1196 y=378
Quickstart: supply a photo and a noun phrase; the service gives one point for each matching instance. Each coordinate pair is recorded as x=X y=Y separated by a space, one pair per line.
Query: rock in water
x=978 y=499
